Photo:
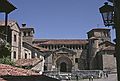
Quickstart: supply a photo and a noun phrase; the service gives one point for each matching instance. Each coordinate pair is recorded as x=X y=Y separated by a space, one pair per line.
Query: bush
x=5 y=50
x=7 y=60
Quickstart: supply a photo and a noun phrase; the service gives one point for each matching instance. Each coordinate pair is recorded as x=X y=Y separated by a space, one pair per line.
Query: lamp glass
x=108 y=18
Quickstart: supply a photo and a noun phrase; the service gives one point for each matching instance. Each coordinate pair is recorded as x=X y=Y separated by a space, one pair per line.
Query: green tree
x=5 y=49
x=7 y=60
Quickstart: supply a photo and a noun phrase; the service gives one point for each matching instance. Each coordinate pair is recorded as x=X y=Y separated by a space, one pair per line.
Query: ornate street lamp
x=111 y=17
x=107 y=14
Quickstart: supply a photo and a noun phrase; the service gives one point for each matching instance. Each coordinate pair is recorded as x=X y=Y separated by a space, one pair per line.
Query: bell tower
x=103 y=34
x=27 y=33
x=95 y=37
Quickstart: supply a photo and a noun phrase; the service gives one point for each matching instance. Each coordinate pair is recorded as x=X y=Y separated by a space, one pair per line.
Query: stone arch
x=64 y=64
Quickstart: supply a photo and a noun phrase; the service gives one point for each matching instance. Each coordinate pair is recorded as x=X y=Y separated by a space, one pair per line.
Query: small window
x=45 y=67
x=15 y=38
x=24 y=33
x=29 y=34
x=105 y=34
x=25 y=55
x=14 y=54
x=76 y=60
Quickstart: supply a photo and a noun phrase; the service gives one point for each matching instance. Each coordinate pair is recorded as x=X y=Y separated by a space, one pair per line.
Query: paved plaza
x=111 y=77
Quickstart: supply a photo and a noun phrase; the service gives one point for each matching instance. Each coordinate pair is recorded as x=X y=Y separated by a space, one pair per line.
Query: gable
x=107 y=43
x=15 y=27
x=31 y=48
x=12 y=24
x=65 y=50
x=107 y=47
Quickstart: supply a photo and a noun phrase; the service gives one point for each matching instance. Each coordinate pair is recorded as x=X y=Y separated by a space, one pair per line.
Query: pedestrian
x=76 y=77
x=91 y=78
x=107 y=75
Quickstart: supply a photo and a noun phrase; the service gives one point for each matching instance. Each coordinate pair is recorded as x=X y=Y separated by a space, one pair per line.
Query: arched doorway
x=45 y=68
x=63 y=67
x=64 y=64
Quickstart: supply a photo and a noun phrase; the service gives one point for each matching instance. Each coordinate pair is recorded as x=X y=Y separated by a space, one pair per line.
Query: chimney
x=23 y=25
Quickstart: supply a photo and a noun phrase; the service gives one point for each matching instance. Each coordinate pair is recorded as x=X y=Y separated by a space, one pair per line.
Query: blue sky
x=58 y=19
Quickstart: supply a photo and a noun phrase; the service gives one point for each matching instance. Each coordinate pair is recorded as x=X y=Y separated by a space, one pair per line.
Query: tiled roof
x=40 y=48
x=14 y=71
x=10 y=22
x=1 y=79
x=28 y=62
x=61 y=41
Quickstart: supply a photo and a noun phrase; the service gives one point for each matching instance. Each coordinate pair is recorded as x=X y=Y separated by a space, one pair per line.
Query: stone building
x=13 y=37
x=20 y=40
x=101 y=49
x=95 y=53
x=67 y=55
x=64 y=55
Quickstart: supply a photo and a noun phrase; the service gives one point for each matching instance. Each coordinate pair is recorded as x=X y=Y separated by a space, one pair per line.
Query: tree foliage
x=5 y=49
x=7 y=60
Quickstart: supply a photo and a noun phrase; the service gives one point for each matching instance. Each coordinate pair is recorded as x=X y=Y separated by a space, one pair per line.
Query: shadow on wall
x=83 y=60
x=29 y=78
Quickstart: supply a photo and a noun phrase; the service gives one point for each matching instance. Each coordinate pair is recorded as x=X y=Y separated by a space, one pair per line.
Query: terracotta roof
x=61 y=41
x=1 y=79
x=10 y=22
x=40 y=48
x=28 y=62
x=14 y=71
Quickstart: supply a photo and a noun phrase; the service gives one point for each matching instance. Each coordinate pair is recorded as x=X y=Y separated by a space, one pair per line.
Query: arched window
x=15 y=38
x=29 y=33
x=25 y=55
x=14 y=54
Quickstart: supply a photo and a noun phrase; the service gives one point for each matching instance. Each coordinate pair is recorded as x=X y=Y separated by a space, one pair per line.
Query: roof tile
x=61 y=41
x=28 y=62
x=14 y=71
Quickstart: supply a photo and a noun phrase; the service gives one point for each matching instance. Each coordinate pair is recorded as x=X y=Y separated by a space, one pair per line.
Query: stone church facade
x=67 y=55
x=95 y=53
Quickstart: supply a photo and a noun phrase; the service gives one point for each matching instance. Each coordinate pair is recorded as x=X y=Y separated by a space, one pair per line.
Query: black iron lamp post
x=6 y=7
x=111 y=17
